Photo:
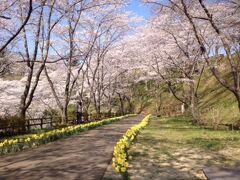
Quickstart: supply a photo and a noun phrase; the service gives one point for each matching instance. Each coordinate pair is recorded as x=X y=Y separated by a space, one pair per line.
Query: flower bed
x=120 y=154
x=21 y=143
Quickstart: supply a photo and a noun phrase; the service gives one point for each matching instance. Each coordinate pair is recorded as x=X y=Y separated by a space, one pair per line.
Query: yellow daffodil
x=15 y=141
x=122 y=146
x=27 y=140
x=117 y=169
x=120 y=161
x=32 y=140
x=123 y=169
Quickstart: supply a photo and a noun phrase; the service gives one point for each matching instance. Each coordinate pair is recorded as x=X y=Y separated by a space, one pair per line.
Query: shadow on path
x=84 y=156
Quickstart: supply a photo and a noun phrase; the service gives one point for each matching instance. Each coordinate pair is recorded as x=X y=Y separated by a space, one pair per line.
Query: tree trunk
x=194 y=102
x=130 y=105
x=121 y=104
x=237 y=95
x=66 y=98
x=98 y=111
x=99 y=105
x=109 y=106
x=23 y=108
x=142 y=106
x=64 y=116
x=22 y=122
x=158 y=97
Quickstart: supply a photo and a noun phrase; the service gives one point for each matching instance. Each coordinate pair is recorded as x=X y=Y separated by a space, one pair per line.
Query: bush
x=12 y=124
x=72 y=111
x=55 y=114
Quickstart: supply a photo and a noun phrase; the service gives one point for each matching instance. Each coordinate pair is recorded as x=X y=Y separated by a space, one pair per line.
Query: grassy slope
x=172 y=148
x=216 y=103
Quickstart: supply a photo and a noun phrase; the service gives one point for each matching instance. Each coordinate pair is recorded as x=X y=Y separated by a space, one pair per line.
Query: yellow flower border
x=120 y=154
x=21 y=143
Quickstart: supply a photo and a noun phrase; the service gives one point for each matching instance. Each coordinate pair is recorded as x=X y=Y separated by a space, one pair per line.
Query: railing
x=48 y=122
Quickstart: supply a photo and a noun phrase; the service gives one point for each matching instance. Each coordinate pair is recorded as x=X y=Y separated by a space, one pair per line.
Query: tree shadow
x=83 y=156
x=158 y=155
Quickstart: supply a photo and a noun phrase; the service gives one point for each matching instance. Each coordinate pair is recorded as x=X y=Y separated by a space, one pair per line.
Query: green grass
x=175 y=148
x=216 y=102
x=217 y=105
x=180 y=130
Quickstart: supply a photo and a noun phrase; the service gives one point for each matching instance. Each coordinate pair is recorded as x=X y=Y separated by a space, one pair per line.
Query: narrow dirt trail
x=84 y=156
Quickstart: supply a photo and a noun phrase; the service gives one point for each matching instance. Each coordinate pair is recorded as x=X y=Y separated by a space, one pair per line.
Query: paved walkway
x=215 y=173
x=84 y=156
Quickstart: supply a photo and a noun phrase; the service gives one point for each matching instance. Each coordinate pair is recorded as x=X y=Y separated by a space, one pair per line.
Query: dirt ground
x=178 y=150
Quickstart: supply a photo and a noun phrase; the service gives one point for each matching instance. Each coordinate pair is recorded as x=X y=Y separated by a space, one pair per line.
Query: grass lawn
x=173 y=148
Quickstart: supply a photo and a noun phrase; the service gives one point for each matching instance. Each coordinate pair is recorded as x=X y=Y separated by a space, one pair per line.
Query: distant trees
x=71 y=37
x=177 y=62
x=69 y=50
x=99 y=70
x=87 y=38
x=83 y=50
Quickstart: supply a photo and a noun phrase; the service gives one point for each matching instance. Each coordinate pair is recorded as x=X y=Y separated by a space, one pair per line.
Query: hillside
x=216 y=104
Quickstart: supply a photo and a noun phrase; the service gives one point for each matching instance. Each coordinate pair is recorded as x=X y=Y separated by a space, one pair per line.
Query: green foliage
x=153 y=97
x=50 y=112
x=141 y=95
x=54 y=113
x=9 y=120
x=72 y=111
x=216 y=104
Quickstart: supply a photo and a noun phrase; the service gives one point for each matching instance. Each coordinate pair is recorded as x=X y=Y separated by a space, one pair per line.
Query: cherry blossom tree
x=214 y=25
x=37 y=33
x=85 y=38
x=100 y=69
x=8 y=7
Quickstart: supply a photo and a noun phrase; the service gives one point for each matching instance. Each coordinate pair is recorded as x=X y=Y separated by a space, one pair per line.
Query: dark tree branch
x=5 y=17
x=20 y=29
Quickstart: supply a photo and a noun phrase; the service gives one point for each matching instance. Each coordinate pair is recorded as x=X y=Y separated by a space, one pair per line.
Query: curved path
x=83 y=156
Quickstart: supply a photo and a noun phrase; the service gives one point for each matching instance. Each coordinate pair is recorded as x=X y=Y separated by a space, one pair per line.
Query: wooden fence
x=48 y=122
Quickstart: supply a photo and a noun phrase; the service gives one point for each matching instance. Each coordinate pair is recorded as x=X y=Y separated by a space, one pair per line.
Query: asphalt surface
x=83 y=156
